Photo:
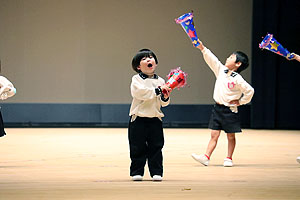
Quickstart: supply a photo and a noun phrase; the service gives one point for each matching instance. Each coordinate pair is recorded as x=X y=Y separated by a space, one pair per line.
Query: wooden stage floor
x=44 y=164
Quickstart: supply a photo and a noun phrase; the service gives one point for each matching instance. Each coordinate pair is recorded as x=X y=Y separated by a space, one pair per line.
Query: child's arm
x=212 y=61
x=247 y=90
x=6 y=88
x=139 y=91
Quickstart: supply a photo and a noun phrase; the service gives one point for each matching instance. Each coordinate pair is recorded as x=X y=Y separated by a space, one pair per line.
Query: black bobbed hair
x=139 y=56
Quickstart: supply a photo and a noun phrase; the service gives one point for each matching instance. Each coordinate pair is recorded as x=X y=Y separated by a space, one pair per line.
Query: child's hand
x=296 y=57
x=293 y=54
x=200 y=46
x=235 y=102
x=166 y=91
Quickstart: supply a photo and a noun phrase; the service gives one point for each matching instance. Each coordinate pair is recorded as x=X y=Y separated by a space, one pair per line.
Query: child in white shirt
x=145 y=131
x=231 y=91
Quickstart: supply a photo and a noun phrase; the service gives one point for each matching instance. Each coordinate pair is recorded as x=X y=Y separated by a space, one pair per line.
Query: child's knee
x=215 y=134
x=231 y=136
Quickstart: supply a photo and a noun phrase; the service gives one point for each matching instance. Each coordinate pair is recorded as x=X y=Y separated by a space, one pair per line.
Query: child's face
x=231 y=63
x=148 y=66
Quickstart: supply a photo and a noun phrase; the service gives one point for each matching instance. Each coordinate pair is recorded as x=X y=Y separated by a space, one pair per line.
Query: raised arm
x=211 y=60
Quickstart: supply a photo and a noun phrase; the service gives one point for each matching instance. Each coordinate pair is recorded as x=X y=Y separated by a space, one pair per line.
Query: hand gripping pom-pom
x=176 y=79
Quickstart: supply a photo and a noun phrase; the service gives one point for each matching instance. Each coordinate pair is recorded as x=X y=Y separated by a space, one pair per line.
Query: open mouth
x=150 y=65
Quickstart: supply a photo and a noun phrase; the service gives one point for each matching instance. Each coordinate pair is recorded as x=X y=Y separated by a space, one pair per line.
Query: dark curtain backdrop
x=275 y=79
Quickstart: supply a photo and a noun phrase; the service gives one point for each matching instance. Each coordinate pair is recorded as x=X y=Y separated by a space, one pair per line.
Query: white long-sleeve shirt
x=6 y=88
x=146 y=102
x=229 y=84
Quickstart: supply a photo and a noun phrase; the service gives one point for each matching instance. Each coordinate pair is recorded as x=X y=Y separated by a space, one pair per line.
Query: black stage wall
x=275 y=79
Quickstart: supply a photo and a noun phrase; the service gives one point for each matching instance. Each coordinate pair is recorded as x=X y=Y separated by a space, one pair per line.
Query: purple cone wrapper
x=187 y=23
x=271 y=44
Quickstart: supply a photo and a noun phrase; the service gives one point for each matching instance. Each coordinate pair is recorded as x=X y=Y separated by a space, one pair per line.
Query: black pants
x=2 y=132
x=146 y=140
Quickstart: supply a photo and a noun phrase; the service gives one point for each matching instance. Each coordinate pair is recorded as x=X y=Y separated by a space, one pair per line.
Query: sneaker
x=227 y=162
x=137 y=178
x=157 y=178
x=298 y=159
x=201 y=159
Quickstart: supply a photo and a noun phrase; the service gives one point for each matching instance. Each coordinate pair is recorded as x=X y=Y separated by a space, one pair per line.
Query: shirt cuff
x=163 y=98
x=158 y=91
x=204 y=50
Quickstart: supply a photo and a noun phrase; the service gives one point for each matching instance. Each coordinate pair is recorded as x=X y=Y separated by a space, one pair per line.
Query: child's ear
x=238 y=64
x=139 y=67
